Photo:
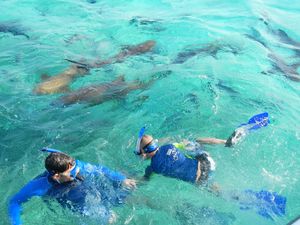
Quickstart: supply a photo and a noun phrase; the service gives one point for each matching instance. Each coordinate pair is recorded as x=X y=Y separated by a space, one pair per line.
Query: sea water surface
x=204 y=95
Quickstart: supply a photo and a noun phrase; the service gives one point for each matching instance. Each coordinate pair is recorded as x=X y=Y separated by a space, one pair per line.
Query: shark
x=13 y=28
x=290 y=71
x=59 y=83
x=102 y=92
x=211 y=49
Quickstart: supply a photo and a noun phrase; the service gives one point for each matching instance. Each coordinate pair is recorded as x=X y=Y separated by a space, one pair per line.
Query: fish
x=13 y=28
x=59 y=83
x=282 y=36
x=290 y=71
x=127 y=51
x=147 y=24
x=256 y=36
x=222 y=85
x=210 y=49
x=99 y=93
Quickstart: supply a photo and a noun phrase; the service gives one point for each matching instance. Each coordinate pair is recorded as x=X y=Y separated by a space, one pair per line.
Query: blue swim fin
x=265 y=203
x=258 y=121
x=254 y=123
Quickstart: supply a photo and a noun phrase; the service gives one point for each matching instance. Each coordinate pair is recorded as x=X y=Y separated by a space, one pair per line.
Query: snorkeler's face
x=64 y=176
x=148 y=148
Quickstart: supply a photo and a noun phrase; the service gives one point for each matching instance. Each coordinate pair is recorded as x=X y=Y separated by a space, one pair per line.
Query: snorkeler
x=195 y=164
x=188 y=161
x=169 y=160
x=70 y=181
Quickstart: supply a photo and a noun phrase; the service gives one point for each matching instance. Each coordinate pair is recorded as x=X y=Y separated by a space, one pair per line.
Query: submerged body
x=12 y=28
x=60 y=82
x=126 y=52
x=97 y=94
x=211 y=49
x=290 y=71
x=74 y=194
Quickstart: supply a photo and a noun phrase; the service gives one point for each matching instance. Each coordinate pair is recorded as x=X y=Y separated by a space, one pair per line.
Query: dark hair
x=204 y=166
x=58 y=162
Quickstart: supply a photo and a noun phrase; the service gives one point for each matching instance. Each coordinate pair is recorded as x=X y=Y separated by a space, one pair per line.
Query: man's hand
x=131 y=183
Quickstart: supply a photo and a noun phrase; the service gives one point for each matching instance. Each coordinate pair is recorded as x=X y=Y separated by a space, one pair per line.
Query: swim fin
x=254 y=123
x=265 y=203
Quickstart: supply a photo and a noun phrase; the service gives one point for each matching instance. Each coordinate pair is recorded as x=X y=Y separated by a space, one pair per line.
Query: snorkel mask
x=73 y=172
x=150 y=147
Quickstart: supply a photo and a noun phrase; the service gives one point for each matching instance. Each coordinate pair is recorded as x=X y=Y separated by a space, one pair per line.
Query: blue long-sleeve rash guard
x=74 y=191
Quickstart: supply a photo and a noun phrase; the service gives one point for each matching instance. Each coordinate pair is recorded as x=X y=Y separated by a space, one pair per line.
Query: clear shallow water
x=205 y=96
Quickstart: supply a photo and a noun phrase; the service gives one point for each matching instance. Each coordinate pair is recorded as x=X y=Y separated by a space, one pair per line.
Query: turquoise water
x=202 y=97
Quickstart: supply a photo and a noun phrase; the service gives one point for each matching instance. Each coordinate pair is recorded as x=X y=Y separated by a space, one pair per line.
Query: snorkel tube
x=50 y=150
x=138 y=143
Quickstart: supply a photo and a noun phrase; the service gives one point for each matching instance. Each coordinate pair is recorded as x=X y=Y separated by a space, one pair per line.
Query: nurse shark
x=290 y=71
x=282 y=36
x=13 y=28
x=210 y=49
x=99 y=93
x=60 y=83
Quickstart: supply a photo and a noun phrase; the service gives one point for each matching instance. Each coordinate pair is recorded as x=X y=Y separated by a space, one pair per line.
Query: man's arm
x=116 y=176
x=112 y=175
x=36 y=187
x=210 y=141
x=148 y=172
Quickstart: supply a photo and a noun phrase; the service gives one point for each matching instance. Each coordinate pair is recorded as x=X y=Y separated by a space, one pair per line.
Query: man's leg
x=210 y=141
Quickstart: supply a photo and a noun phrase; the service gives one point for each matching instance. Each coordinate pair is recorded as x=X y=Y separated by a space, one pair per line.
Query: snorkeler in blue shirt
x=169 y=160
x=70 y=181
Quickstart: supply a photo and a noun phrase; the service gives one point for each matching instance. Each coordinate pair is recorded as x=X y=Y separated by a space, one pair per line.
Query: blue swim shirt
x=169 y=161
x=67 y=193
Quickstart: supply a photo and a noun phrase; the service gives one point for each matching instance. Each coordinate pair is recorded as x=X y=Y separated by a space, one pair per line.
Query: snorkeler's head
x=148 y=144
x=58 y=162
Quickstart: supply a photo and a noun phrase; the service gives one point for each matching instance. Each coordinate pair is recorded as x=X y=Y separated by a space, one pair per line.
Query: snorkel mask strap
x=138 y=143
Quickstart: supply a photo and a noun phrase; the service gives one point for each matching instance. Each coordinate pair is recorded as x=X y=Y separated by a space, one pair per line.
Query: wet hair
x=204 y=166
x=58 y=162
